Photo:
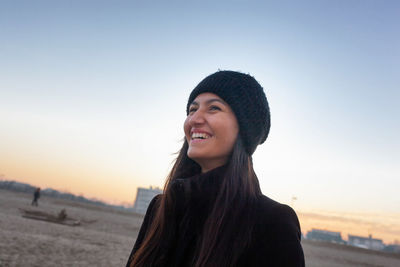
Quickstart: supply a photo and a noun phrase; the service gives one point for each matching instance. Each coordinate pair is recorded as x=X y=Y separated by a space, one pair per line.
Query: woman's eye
x=215 y=108
x=192 y=109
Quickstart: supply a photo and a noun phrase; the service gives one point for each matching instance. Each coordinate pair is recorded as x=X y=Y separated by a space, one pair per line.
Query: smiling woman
x=212 y=211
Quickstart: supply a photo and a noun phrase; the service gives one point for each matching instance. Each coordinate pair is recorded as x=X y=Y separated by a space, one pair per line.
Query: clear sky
x=93 y=94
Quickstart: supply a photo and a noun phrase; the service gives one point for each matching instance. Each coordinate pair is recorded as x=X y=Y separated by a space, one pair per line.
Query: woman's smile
x=199 y=136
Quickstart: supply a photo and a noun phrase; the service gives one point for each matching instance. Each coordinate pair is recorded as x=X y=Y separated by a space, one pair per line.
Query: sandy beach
x=106 y=236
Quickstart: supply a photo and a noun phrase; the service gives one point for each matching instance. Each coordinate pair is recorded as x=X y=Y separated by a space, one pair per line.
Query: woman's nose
x=197 y=118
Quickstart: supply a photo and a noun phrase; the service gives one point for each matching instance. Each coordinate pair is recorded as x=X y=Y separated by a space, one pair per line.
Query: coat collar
x=202 y=188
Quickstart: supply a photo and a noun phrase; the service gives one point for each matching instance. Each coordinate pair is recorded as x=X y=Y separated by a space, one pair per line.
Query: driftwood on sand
x=60 y=218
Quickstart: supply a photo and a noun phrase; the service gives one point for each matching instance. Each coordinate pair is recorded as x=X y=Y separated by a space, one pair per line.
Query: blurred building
x=323 y=235
x=143 y=198
x=366 y=242
x=393 y=248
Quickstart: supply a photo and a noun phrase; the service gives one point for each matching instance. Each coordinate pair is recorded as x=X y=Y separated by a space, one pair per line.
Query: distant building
x=366 y=242
x=143 y=198
x=393 y=248
x=323 y=235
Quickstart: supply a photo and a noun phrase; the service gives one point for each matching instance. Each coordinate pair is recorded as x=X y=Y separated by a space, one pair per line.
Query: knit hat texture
x=247 y=99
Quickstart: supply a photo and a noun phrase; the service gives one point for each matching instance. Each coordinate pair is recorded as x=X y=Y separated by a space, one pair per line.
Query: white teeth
x=200 y=136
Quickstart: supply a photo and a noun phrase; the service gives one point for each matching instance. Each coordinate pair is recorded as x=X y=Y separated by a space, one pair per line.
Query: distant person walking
x=36 y=196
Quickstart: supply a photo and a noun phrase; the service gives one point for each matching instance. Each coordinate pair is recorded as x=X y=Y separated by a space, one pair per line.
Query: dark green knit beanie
x=247 y=99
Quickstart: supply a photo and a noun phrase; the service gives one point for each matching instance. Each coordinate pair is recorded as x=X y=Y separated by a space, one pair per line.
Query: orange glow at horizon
x=76 y=180
x=120 y=188
x=380 y=226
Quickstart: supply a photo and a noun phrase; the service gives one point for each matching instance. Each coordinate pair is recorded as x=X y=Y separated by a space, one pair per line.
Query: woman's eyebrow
x=209 y=101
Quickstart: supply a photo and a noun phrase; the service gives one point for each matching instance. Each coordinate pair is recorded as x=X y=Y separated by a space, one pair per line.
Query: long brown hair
x=228 y=227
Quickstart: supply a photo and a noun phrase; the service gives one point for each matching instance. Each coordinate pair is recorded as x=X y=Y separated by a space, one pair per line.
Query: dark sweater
x=275 y=238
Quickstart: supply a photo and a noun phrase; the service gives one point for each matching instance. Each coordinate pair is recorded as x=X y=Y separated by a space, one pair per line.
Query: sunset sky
x=93 y=94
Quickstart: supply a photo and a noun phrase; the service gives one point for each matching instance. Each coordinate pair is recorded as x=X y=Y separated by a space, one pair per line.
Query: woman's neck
x=206 y=167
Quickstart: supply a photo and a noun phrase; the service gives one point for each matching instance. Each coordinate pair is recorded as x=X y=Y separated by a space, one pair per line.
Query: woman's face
x=211 y=130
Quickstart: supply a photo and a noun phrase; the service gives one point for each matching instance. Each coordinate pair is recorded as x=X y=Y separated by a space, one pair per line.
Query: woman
x=212 y=211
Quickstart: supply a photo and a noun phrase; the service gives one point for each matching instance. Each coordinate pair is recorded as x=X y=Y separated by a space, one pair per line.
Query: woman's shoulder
x=155 y=199
x=276 y=234
x=274 y=213
x=154 y=203
x=152 y=208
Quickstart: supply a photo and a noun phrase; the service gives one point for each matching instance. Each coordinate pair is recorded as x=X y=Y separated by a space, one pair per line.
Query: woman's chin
x=196 y=153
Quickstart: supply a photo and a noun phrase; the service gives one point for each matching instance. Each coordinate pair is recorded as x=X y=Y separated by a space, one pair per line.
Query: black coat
x=276 y=235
